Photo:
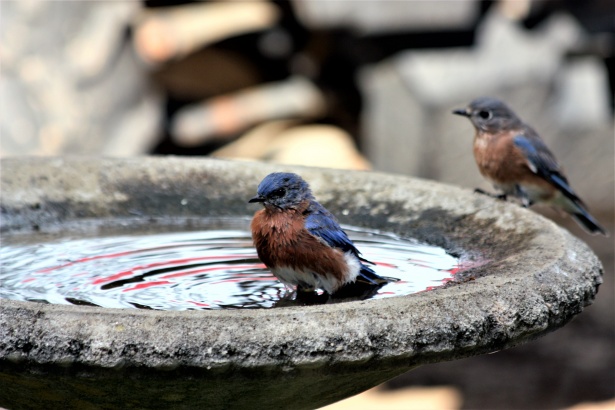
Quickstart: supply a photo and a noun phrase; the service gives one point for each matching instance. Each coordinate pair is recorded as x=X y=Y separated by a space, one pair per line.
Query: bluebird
x=301 y=241
x=513 y=157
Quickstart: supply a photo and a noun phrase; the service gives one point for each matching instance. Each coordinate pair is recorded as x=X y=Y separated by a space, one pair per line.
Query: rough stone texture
x=530 y=277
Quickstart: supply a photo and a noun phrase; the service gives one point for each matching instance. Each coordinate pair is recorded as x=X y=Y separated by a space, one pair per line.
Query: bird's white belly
x=293 y=277
x=534 y=193
x=307 y=278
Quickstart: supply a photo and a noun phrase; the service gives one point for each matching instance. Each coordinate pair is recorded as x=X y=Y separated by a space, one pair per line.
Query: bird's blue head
x=490 y=115
x=282 y=190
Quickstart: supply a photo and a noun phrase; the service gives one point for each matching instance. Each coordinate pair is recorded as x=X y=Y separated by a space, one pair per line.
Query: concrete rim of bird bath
x=529 y=278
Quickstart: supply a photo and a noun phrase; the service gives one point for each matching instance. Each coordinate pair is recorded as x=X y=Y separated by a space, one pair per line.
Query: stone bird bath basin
x=529 y=277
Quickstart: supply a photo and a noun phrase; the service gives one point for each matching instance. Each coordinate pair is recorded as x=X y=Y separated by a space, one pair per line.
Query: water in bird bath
x=210 y=266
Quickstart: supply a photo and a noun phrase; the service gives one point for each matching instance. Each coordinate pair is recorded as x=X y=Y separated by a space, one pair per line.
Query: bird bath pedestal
x=528 y=278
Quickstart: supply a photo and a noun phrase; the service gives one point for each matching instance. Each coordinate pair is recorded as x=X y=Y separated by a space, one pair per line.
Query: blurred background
x=345 y=84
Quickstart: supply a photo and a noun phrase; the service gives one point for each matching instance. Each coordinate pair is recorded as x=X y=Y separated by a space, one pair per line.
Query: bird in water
x=302 y=242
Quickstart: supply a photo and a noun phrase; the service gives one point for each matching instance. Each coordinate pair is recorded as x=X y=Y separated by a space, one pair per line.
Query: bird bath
x=523 y=277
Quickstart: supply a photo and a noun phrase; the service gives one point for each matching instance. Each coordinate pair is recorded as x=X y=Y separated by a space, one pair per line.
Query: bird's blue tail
x=576 y=207
x=367 y=275
x=588 y=222
x=579 y=213
x=365 y=286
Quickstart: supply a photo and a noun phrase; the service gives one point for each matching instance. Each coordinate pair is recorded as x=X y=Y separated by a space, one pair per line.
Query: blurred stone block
x=73 y=84
x=284 y=142
x=582 y=99
x=225 y=115
x=386 y=16
x=170 y=33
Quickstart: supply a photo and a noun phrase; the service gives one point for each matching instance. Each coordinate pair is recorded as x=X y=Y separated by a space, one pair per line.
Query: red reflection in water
x=115 y=277
x=126 y=253
x=222 y=264
x=213 y=269
x=90 y=258
x=237 y=277
x=386 y=265
x=420 y=263
x=171 y=262
x=467 y=265
x=443 y=282
x=200 y=304
x=147 y=285
x=455 y=270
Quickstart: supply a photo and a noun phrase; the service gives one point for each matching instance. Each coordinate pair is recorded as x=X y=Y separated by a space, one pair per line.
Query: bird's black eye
x=278 y=193
x=485 y=115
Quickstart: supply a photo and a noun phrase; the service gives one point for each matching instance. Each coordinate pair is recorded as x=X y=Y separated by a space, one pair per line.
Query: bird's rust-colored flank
x=503 y=163
x=281 y=240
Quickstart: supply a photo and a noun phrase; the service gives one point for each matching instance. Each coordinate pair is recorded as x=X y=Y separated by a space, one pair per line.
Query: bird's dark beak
x=257 y=198
x=462 y=111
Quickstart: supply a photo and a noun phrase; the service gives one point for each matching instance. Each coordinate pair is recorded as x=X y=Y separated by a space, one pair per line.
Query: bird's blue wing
x=322 y=224
x=542 y=162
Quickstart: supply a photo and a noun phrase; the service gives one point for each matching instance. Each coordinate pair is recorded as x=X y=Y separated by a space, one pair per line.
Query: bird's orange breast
x=499 y=160
x=281 y=239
